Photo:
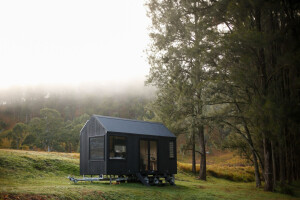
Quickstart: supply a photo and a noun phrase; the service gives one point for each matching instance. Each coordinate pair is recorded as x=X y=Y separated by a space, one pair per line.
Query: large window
x=97 y=148
x=171 y=149
x=117 y=147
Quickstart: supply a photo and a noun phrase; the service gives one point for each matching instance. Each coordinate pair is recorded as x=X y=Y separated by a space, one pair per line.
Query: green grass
x=40 y=175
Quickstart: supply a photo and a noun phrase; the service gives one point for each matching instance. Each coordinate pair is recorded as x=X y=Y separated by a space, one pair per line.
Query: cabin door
x=148 y=155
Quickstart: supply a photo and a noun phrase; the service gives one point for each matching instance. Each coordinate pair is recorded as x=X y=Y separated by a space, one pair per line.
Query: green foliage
x=50 y=125
x=182 y=67
x=285 y=189
x=48 y=132
x=233 y=64
x=3 y=126
x=17 y=135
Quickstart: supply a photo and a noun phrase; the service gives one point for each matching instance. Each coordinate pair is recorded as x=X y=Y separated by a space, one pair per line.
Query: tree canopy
x=233 y=64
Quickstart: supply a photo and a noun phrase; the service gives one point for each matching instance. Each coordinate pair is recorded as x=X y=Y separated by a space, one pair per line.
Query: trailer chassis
x=146 y=179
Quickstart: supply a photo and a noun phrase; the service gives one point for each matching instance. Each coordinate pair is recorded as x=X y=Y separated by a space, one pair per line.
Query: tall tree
x=247 y=52
x=179 y=62
x=256 y=60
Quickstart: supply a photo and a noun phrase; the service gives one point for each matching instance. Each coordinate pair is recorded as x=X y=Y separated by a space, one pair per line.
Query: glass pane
x=153 y=155
x=143 y=155
x=117 y=146
x=97 y=148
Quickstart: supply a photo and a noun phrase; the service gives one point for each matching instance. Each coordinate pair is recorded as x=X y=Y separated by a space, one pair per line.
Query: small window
x=97 y=148
x=171 y=149
x=117 y=147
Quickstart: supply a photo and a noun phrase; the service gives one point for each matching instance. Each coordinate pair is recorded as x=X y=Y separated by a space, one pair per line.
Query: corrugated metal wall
x=88 y=167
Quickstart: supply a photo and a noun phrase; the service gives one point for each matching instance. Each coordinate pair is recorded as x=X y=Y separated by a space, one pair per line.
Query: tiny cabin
x=125 y=147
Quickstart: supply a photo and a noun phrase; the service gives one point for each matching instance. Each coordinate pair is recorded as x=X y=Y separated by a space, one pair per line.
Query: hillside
x=41 y=175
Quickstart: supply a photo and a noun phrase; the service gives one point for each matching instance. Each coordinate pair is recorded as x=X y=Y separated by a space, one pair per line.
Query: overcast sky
x=71 y=41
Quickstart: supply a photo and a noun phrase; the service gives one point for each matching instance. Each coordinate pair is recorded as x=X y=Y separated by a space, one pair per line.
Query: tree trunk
x=273 y=163
x=202 y=172
x=256 y=170
x=268 y=164
x=262 y=72
x=287 y=156
x=18 y=144
x=193 y=154
x=293 y=160
x=281 y=166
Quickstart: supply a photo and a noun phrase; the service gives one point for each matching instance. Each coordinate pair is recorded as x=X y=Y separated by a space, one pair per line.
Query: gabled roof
x=120 y=125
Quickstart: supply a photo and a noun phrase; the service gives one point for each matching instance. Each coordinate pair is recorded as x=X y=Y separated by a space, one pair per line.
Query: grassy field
x=41 y=175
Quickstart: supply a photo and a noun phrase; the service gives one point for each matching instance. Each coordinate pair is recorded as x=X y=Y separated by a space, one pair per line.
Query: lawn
x=41 y=175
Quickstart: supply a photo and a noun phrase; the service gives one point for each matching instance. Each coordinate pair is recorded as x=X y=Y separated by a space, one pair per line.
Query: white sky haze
x=71 y=41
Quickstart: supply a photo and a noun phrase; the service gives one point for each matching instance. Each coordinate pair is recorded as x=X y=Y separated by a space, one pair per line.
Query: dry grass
x=41 y=153
x=224 y=165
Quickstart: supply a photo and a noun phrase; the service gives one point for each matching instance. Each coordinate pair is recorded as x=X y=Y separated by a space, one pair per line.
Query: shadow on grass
x=131 y=185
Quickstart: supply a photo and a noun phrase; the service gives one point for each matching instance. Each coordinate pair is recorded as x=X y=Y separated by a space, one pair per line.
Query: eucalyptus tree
x=245 y=50
x=259 y=61
x=178 y=55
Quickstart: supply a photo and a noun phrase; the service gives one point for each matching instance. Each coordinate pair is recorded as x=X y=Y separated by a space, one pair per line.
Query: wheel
x=146 y=180
x=156 y=181
x=172 y=180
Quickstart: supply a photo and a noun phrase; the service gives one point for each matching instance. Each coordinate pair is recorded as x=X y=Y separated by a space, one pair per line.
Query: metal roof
x=120 y=125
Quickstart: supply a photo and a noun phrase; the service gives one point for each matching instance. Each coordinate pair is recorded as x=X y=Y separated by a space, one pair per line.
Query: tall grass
x=227 y=166
x=233 y=173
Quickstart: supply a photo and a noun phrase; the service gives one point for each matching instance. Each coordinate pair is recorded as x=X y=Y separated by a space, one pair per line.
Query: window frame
x=174 y=149
x=101 y=159
x=109 y=148
x=148 y=139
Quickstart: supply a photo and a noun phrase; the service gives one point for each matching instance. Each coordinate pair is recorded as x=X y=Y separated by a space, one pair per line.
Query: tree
x=242 y=55
x=17 y=135
x=71 y=131
x=180 y=63
x=257 y=63
x=50 y=125
x=3 y=126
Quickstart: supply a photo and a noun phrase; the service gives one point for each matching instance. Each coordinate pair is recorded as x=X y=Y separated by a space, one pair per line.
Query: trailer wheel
x=156 y=181
x=146 y=180
x=172 y=180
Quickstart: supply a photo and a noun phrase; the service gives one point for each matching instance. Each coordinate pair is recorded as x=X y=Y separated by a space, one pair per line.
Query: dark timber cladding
x=116 y=146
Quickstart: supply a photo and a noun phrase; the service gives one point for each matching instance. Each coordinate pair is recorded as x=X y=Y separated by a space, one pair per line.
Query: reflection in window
x=117 y=147
x=143 y=155
x=171 y=149
x=97 y=148
x=153 y=155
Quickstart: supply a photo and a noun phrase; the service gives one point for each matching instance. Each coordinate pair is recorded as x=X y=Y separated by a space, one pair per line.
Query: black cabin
x=125 y=147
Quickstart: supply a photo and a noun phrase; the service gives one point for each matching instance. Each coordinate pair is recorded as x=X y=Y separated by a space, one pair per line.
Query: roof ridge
x=125 y=119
